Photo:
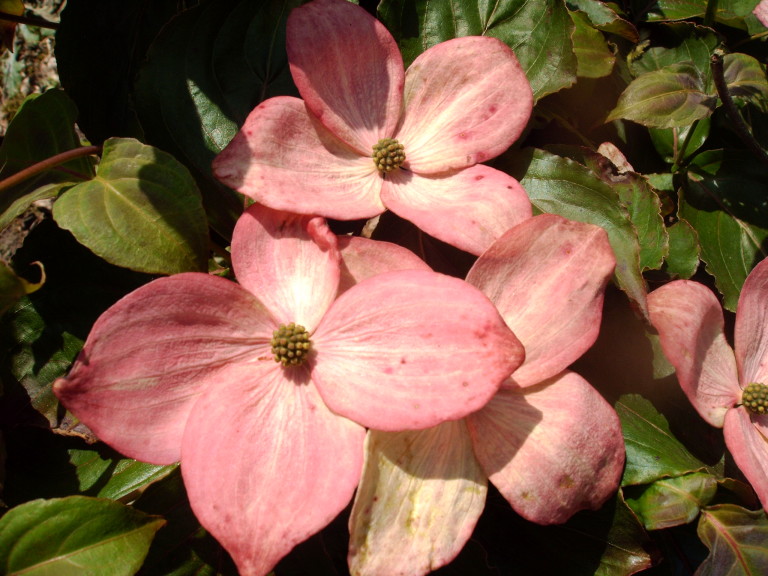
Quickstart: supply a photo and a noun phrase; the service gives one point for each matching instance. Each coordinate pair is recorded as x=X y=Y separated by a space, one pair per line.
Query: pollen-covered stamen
x=755 y=398
x=291 y=344
x=388 y=155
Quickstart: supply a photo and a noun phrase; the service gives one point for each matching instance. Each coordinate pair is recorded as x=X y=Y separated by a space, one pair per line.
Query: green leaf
x=683 y=258
x=561 y=186
x=669 y=141
x=672 y=96
x=75 y=536
x=737 y=540
x=652 y=450
x=675 y=43
x=142 y=211
x=13 y=288
x=726 y=11
x=43 y=127
x=724 y=201
x=595 y=59
x=745 y=78
x=604 y=17
x=673 y=501
x=539 y=32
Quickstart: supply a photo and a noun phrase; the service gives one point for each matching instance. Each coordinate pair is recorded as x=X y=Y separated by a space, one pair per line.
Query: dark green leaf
x=595 y=59
x=675 y=43
x=727 y=10
x=142 y=211
x=737 y=540
x=603 y=17
x=683 y=258
x=75 y=535
x=745 y=78
x=669 y=141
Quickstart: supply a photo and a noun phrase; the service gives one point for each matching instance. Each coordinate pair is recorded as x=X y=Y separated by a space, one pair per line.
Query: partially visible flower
x=761 y=12
x=547 y=440
x=727 y=386
x=370 y=136
x=262 y=389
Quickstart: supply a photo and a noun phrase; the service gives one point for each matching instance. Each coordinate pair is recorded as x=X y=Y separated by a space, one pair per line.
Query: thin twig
x=40 y=22
x=47 y=164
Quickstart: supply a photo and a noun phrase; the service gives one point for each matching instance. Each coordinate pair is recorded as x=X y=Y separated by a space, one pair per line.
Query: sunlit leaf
x=603 y=17
x=75 y=535
x=683 y=258
x=671 y=502
x=595 y=59
x=142 y=211
x=737 y=540
x=13 y=287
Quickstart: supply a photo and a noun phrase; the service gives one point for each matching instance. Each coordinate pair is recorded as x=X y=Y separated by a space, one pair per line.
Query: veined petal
x=290 y=262
x=551 y=450
x=150 y=356
x=689 y=320
x=749 y=448
x=287 y=160
x=362 y=258
x=466 y=101
x=418 y=501
x=751 y=331
x=547 y=277
x=468 y=209
x=266 y=465
x=348 y=69
x=409 y=349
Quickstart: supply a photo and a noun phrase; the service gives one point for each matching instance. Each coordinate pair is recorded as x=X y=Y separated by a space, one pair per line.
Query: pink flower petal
x=551 y=450
x=468 y=209
x=761 y=12
x=286 y=160
x=466 y=101
x=290 y=262
x=751 y=331
x=689 y=320
x=148 y=358
x=266 y=464
x=362 y=258
x=547 y=277
x=410 y=349
x=348 y=69
x=749 y=448
x=418 y=501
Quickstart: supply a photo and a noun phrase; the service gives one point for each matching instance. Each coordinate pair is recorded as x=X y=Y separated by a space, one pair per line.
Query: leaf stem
x=739 y=126
x=680 y=156
x=29 y=21
x=47 y=164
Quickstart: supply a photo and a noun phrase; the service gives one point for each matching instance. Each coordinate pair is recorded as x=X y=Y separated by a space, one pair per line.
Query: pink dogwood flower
x=263 y=388
x=727 y=386
x=761 y=12
x=547 y=440
x=370 y=136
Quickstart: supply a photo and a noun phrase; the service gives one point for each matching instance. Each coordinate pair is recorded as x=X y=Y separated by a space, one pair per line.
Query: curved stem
x=47 y=164
x=39 y=22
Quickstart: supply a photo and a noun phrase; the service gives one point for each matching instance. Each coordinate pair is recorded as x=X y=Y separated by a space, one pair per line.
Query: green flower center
x=291 y=344
x=388 y=155
x=755 y=398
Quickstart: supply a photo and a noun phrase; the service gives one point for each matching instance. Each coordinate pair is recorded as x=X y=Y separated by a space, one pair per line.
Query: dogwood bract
x=727 y=386
x=547 y=440
x=262 y=389
x=369 y=136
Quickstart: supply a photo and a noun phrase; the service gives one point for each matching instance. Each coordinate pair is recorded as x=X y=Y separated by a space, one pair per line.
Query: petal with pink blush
x=290 y=262
x=547 y=277
x=468 y=209
x=761 y=12
x=689 y=321
x=362 y=258
x=409 y=349
x=266 y=464
x=749 y=448
x=150 y=356
x=420 y=497
x=458 y=112
x=348 y=69
x=285 y=159
x=551 y=450
x=751 y=331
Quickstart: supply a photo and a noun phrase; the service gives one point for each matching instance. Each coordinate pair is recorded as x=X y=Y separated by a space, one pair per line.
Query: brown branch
x=47 y=164
x=29 y=21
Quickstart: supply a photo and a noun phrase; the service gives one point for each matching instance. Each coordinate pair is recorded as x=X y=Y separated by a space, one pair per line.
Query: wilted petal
x=348 y=69
x=547 y=277
x=284 y=159
x=410 y=349
x=466 y=101
x=551 y=450
x=689 y=320
x=749 y=448
x=266 y=464
x=751 y=331
x=290 y=262
x=468 y=209
x=362 y=258
x=149 y=357
x=418 y=501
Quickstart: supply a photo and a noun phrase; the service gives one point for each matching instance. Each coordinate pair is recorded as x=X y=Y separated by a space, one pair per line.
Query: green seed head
x=755 y=398
x=291 y=344
x=388 y=155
